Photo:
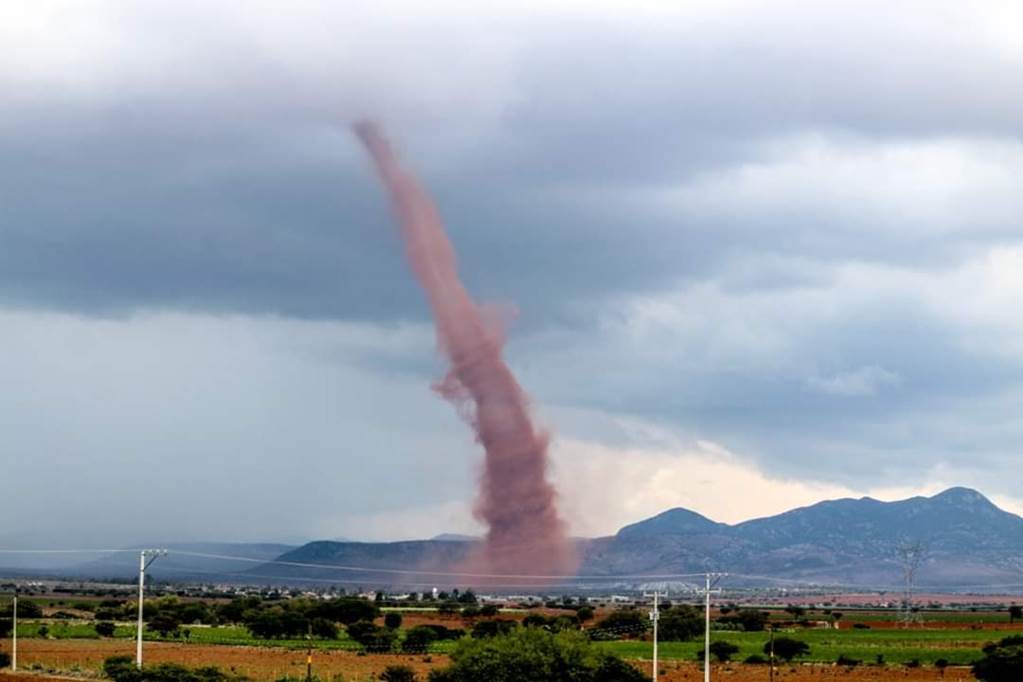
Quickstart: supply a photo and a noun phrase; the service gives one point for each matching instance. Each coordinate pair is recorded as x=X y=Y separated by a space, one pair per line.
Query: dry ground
x=259 y=663
x=268 y=664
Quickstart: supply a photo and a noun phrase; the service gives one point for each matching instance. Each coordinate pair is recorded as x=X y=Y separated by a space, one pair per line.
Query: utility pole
x=655 y=616
x=706 y=641
x=14 y=632
x=153 y=555
x=309 y=655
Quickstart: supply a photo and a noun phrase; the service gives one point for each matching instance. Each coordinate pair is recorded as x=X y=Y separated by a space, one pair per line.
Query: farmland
x=869 y=642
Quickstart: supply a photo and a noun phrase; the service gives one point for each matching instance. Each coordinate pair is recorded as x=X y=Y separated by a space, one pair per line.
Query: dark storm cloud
x=215 y=171
x=774 y=228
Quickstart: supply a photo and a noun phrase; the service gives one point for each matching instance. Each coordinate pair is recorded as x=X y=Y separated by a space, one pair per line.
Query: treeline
x=678 y=623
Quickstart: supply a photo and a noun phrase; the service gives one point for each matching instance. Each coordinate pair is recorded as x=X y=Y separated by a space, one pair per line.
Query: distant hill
x=969 y=542
x=971 y=545
x=182 y=562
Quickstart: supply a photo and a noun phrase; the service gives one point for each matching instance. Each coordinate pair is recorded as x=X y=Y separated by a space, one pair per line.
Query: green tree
x=346 y=611
x=370 y=635
x=584 y=613
x=105 y=628
x=624 y=621
x=752 y=620
x=787 y=648
x=489 y=610
x=322 y=628
x=493 y=628
x=1002 y=662
x=418 y=639
x=5 y=626
x=1015 y=613
x=680 y=624
x=165 y=623
x=5 y=660
x=392 y=620
x=723 y=651
x=534 y=655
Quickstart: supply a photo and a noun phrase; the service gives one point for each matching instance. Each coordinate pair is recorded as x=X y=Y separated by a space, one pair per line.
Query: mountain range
x=964 y=542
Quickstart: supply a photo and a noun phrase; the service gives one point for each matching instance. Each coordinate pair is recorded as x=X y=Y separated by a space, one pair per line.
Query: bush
x=105 y=628
x=847 y=660
x=723 y=651
x=392 y=620
x=323 y=628
x=5 y=626
x=536 y=620
x=370 y=635
x=534 y=655
x=489 y=610
x=120 y=669
x=419 y=639
x=624 y=621
x=493 y=628
x=584 y=613
x=755 y=659
x=398 y=673
x=1002 y=662
x=5 y=660
x=680 y=624
x=787 y=648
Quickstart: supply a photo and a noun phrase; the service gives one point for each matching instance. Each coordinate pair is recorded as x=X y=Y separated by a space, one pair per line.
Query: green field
x=958 y=646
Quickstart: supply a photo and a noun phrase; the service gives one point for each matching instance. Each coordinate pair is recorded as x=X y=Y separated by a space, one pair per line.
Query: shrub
x=624 y=621
x=534 y=655
x=787 y=648
x=535 y=620
x=5 y=659
x=120 y=669
x=489 y=610
x=398 y=673
x=755 y=659
x=847 y=660
x=419 y=639
x=493 y=628
x=323 y=628
x=392 y=620
x=723 y=651
x=1002 y=662
x=680 y=624
x=105 y=628
x=375 y=638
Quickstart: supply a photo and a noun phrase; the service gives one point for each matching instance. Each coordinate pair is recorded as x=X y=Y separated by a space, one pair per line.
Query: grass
x=960 y=646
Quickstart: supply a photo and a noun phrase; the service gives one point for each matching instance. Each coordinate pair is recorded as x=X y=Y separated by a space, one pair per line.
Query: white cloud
x=604 y=488
x=865 y=381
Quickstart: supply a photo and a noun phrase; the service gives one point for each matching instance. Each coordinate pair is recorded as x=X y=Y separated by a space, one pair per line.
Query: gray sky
x=760 y=254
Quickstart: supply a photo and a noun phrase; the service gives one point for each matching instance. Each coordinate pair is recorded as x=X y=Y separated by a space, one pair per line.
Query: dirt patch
x=258 y=663
x=675 y=671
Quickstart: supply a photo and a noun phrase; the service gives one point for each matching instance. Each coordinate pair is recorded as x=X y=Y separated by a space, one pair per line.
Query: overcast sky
x=761 y=254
